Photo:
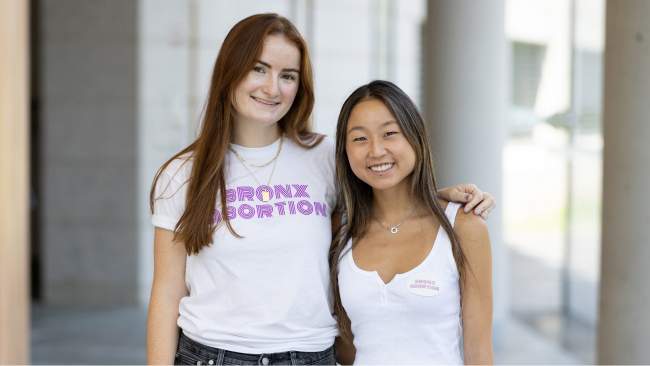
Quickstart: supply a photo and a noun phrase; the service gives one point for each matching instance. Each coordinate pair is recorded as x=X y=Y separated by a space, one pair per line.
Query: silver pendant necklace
x=394 y=229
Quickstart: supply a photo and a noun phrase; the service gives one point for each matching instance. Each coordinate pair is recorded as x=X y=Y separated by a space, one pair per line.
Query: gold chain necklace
x=253 y=165
x=265 y=193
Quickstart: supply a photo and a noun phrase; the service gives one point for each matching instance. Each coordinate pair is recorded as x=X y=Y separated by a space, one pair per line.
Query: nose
x=271 y=87
x=377 y=149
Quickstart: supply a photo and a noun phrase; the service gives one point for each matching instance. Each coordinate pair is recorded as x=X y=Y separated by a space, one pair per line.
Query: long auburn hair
x=239 y=53
x=355 y=196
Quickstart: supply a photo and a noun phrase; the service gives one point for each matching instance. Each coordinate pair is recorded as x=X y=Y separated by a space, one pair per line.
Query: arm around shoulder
x=477 y=290
x=166 y=293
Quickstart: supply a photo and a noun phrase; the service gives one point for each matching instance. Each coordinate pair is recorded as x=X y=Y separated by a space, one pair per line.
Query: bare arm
x=347 y=352
x=477 y=290
x=167 y=291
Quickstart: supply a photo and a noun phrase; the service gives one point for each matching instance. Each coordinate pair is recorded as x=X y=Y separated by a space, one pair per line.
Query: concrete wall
x=89 y=153
x=163 y=109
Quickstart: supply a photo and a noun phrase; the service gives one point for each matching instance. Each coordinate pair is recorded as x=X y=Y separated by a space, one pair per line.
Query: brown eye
x=288 y=77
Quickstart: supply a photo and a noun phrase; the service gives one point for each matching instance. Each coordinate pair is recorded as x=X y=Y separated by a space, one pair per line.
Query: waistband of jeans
x=211 y=352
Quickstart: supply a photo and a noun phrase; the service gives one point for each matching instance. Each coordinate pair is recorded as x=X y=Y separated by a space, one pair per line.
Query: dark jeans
x=194 y=353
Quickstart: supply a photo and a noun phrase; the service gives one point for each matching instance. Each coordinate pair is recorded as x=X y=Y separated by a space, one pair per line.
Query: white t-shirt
x=267 y=292
x=412 y=320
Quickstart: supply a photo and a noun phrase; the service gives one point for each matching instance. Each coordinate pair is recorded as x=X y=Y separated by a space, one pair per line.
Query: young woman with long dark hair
x=405 y=267
x=243 y=215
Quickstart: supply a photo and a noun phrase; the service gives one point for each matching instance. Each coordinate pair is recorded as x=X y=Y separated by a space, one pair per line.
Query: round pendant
x=393 y=230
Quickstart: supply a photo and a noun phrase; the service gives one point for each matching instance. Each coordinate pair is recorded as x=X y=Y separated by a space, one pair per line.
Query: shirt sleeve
x=169 y=201
x=330 y=163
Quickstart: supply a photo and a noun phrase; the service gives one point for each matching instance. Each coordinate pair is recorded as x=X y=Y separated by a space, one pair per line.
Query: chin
x=267 y=120
x=383 y=187
x=380 y=185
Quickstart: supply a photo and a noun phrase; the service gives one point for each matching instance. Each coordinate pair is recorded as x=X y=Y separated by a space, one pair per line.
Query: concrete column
x=14 y=182
x=89 y=151
x=465 y=103
x=624 y=325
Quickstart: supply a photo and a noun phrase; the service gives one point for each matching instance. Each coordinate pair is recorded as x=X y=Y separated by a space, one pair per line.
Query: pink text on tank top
x=427 y=284
x=281 y=208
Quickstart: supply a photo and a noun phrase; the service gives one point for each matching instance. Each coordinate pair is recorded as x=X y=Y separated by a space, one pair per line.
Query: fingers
x=466 y=189
x=480 y=203
x=489 y=211
x=486 y=206
x=459 y=193
x=474 y=200
x=486 y=213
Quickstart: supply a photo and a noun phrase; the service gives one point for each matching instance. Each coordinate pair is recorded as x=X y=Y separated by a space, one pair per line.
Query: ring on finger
x=472 y=192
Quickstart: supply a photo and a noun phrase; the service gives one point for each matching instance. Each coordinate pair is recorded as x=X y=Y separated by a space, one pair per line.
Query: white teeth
x=382 y=168
x=261 y=101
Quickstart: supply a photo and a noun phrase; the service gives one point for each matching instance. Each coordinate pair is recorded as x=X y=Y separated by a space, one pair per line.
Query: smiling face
x=378 y=152
x=265 y=95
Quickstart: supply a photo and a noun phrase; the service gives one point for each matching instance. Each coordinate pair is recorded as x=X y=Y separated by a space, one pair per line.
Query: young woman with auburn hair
x=405 y=268
x=243 y=215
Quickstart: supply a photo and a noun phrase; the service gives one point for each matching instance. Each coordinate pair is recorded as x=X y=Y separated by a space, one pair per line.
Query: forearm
x=162 y=330
x=479 y=355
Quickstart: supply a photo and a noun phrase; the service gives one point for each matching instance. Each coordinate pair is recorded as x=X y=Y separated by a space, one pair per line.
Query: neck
x=392 y=205
x=250 y=135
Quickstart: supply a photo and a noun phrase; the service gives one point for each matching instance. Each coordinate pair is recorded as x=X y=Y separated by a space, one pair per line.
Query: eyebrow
x=363 y=128
x=285 y=70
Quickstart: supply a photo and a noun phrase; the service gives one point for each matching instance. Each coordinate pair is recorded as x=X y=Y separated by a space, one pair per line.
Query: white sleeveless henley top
x=415 y=318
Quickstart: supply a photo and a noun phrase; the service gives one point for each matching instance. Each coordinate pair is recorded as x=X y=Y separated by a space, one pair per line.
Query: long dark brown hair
x=239 y=53
x=355 y=196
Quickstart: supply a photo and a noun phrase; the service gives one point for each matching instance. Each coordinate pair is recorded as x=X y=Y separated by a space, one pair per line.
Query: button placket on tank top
x=383 y=289
x=384 y=293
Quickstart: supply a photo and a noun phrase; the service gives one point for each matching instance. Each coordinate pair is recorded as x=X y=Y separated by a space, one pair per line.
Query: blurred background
x=512 y=90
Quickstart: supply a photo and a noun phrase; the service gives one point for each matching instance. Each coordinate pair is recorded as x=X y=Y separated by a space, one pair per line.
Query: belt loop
x=220 y=356
x=293 y=358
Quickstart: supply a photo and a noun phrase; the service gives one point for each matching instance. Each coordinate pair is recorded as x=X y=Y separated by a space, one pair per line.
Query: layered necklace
x=394 y=230
x=265 y=193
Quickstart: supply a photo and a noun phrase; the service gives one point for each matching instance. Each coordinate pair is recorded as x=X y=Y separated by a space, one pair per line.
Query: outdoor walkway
x=94 y=337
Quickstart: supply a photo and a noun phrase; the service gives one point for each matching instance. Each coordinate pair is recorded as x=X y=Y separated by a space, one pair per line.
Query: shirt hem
x=163 y=222
x=286 y=347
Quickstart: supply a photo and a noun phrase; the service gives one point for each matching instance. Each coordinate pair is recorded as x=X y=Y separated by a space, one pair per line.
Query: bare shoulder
x=472 y=231
x=443 y=203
